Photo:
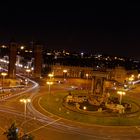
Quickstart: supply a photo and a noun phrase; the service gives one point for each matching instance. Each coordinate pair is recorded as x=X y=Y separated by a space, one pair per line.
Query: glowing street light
x=49 y=84
x=50 y=75
x=87 y=79
x=3 y=74
x=22 y=47
x=26 y=82
x=64 y=72
x=84 y=107
x=121 y=93
x=87 y=75
x=28 y=71
x=131 y=78
x=25 y=101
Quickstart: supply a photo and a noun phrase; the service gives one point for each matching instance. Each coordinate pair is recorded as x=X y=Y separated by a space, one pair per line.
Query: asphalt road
x=51 y=127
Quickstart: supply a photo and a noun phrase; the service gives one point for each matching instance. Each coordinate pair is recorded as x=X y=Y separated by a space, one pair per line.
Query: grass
x=54 y=104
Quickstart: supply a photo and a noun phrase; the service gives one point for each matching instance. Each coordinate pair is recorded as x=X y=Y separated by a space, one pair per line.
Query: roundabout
x=49 y=111
x=56 y=104
x=89 y=125
x=70 y=112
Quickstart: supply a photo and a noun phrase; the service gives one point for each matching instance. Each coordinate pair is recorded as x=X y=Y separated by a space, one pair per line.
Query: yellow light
x=84 y=107
x=64 y=71
x=3 y=73
x=121 y=92
x=131 y=78
x=28 y=100
x=49 y=83
x=28 y=70
x=50 y=75
x=132 y=75
x=22 y=47
x=3 y=46
x=25 y=100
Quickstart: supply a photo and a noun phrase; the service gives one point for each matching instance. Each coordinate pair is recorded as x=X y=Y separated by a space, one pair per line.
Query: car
x=59 y=82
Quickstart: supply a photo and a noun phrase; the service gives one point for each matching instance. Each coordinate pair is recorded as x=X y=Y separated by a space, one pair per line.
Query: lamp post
x=49 y=84
x=121 y=93
x=28 y=71
x=64 y=73
x=138 y=76
x=25 y=101
x=26 y=82
x=50 y=75
x=3 y=74
x=92 y=84
x=87 y=79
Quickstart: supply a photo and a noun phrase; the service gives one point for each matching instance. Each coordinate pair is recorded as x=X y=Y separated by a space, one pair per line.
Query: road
x=51 y=127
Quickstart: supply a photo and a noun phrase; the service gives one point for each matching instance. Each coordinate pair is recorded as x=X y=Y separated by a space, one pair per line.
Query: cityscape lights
x=120 y=93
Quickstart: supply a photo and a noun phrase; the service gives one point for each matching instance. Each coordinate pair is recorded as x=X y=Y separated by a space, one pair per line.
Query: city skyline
x=112 y=30
x=71 y=73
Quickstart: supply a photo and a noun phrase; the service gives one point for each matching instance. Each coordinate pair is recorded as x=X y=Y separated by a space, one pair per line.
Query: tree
x=12 y=132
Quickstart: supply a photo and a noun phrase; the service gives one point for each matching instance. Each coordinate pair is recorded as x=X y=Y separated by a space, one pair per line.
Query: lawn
x=54 y=104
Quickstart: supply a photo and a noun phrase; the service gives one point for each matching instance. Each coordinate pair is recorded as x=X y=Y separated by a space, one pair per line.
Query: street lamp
x=50 y=75
x=26 y=81
x=64 y=72
x=22 y=47
x=121 y=93
x=138 y=76
x=87 y=79
x=25 y=101
x=49 y=84
x=28 y=71
x=3 y=74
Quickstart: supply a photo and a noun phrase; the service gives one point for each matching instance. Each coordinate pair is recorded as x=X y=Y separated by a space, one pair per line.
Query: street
x=43 y=125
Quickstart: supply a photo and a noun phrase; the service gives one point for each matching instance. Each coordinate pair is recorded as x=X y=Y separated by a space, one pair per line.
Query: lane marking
x=44 y=126
x=138 y=128
x=52 y=115
x=2 y=129
x=26 y=121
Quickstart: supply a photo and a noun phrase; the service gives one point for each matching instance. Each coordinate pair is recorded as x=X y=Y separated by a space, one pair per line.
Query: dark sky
x=111 y=29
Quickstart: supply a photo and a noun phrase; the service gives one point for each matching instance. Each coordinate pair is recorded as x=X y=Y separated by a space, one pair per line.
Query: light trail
x=55 y=123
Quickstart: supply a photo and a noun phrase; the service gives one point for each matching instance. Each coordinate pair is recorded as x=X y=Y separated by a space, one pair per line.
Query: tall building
x=12 y=60
x=37 y=60
x=120 y=74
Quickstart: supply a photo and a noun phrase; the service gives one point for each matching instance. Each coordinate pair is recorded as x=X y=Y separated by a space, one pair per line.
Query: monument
x=12 y=60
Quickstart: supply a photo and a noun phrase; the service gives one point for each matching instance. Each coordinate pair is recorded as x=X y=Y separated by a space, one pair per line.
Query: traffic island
x=56 y=105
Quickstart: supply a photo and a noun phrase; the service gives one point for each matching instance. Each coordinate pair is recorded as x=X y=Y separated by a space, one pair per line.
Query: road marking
x=138 y=128
x=27 y=121
x=44 y=126
x=46 y=110
x=2 y=129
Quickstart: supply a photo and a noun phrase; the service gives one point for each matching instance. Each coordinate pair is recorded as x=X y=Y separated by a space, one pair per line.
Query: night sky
x=106 y=29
